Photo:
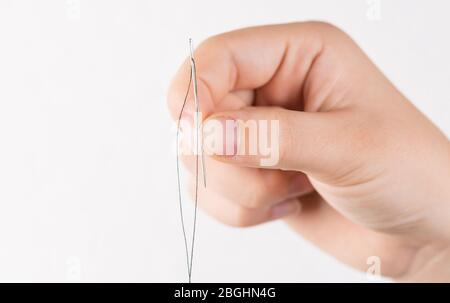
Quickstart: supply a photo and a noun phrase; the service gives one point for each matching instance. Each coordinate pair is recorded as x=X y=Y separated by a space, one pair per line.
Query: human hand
x=361 y=171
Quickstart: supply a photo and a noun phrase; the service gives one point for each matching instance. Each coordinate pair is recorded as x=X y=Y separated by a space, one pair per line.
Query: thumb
x=277 y=138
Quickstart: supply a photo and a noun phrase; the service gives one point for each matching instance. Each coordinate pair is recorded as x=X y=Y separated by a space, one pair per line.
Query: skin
x=361 y=173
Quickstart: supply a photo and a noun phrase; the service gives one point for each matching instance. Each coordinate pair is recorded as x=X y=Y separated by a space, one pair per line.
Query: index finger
x=244 y=59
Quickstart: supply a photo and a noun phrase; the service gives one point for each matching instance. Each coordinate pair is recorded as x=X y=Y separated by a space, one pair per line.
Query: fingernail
x=220 y=136
x=283 y=209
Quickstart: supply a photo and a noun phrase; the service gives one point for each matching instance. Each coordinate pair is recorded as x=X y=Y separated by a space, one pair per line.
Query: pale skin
x=361 y=172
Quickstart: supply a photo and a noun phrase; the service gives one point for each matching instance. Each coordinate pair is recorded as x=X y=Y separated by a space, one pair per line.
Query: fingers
x=248 y=187
x=242 y=60
x=236 y=215
x=268 y=137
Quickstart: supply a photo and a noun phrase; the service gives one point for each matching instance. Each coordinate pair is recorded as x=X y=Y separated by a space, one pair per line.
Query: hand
x=361 y=171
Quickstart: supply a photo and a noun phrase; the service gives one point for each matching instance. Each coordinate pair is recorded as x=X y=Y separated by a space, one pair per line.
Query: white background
x=87 y=171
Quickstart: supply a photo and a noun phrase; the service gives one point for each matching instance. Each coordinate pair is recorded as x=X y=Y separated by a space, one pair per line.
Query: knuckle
x=211 y=43
x=327 y=31
x=324 y=26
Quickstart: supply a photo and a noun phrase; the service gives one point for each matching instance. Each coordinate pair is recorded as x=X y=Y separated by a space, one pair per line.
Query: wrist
x=430 y=264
